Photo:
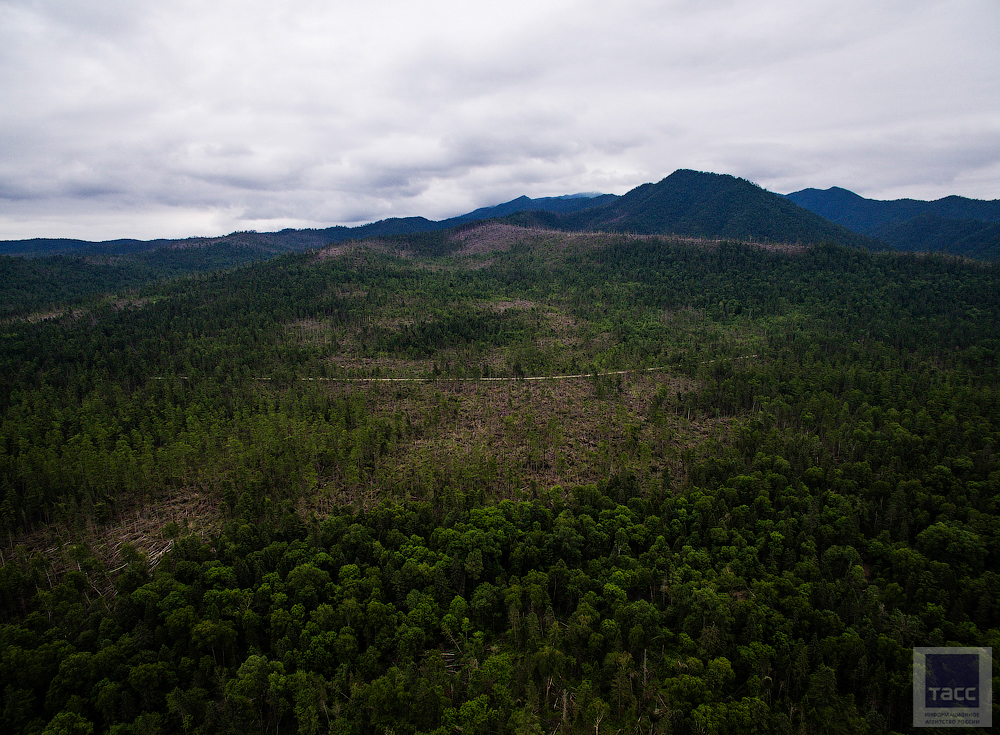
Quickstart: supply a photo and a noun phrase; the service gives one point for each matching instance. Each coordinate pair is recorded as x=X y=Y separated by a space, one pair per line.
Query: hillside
x=955 y=225
x=929 y=232
x=501 y=479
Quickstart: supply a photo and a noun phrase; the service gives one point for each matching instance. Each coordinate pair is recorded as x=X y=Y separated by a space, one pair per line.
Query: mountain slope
x=929 y=232
x=869 y=216
x=954 y=224
x=706 y=205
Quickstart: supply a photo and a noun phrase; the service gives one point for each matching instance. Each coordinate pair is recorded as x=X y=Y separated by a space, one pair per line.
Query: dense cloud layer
x=176 y=117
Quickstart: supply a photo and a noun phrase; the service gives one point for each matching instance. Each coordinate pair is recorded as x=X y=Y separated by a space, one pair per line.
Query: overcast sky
x=174 y=118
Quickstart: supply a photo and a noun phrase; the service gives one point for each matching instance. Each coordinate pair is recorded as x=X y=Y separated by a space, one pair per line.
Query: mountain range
x=956 y=225
x=686 y=203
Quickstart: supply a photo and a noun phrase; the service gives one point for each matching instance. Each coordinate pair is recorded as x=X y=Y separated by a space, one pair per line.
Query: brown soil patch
x=494 y=236
x=505 y=305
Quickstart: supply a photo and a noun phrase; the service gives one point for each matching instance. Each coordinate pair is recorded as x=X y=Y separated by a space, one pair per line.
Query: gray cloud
x=175 y=117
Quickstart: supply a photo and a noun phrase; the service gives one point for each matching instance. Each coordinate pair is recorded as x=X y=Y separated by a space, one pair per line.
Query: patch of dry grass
x=502 y=436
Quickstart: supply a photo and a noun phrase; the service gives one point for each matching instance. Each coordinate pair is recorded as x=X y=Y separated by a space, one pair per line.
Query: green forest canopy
x=777 y=475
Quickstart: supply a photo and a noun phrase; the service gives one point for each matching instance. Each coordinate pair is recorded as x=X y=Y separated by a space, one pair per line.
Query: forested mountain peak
x=815 y=199
x=698 y=204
